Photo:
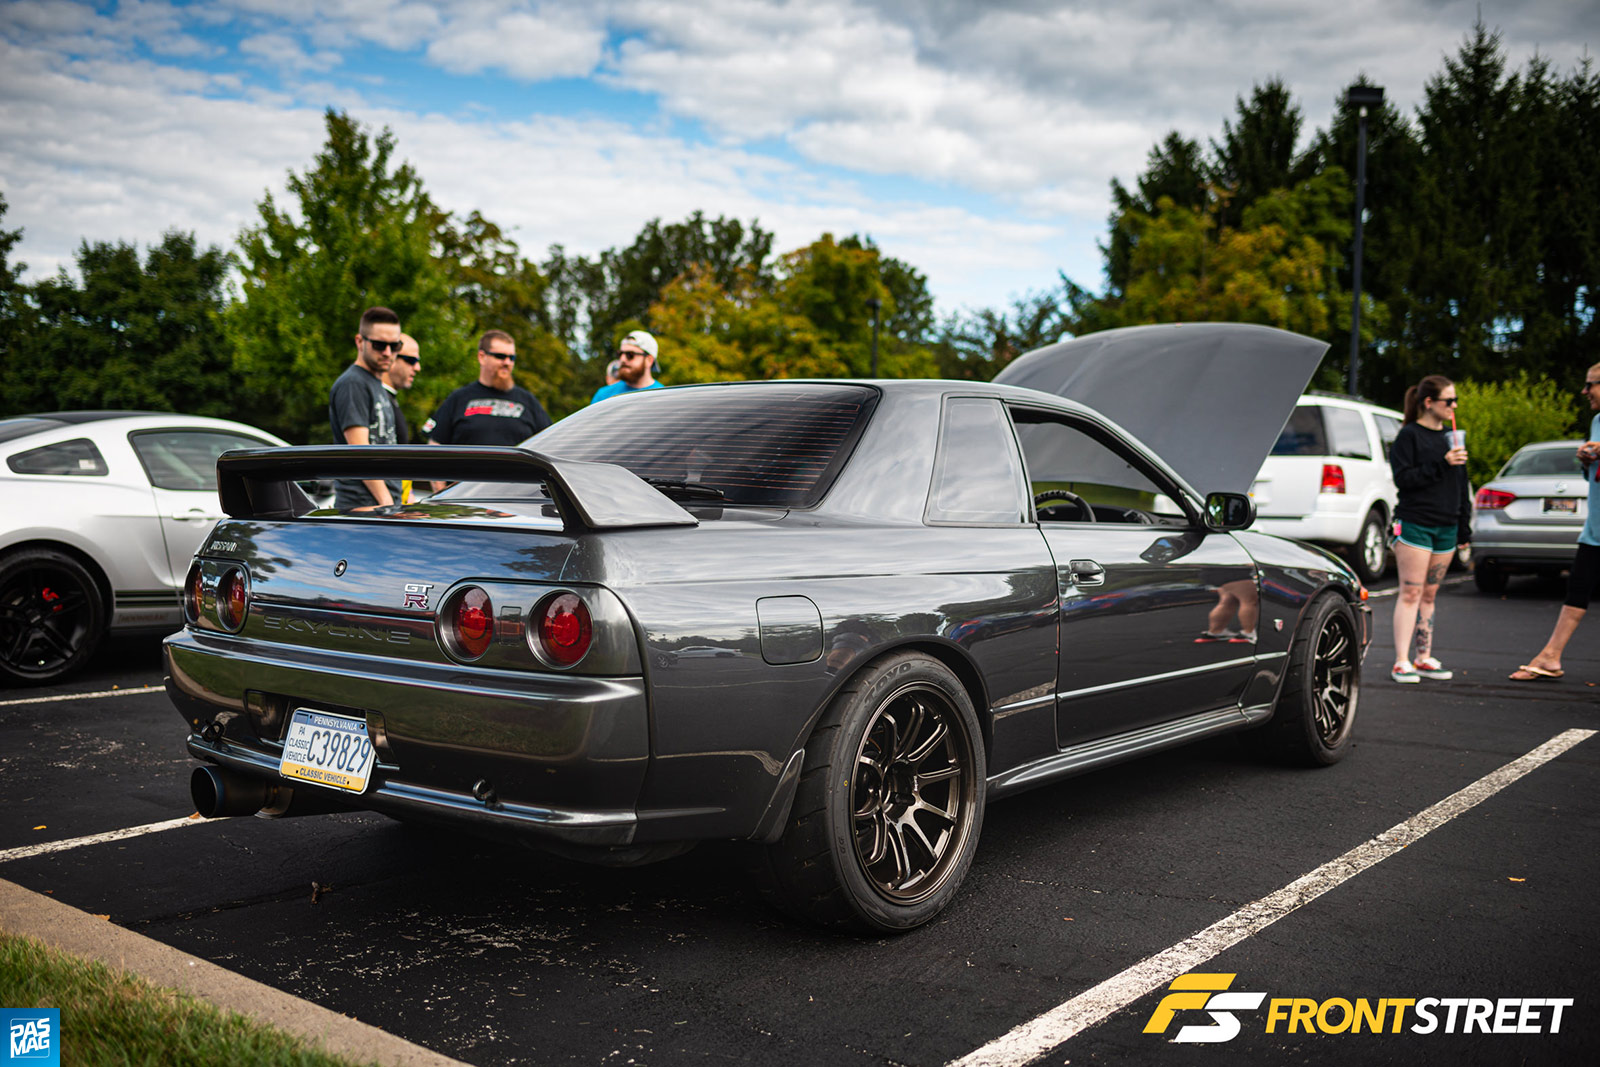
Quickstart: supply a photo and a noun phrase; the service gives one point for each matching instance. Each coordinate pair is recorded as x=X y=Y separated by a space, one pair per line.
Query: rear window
x=186 y=460
x=1550 y=462
x=1304 y=434
x=76 y=457
x=775 y=445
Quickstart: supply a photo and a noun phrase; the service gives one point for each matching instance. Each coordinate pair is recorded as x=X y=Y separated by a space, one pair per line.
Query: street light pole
x=1359 y=97
x=877 y=306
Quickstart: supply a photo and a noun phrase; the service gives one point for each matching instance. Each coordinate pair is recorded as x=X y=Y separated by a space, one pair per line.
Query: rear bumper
x=564 y=756
x=1512 y=544
x=1323 y=528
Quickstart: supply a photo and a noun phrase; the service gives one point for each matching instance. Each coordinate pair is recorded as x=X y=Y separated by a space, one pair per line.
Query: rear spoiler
x=260 y=483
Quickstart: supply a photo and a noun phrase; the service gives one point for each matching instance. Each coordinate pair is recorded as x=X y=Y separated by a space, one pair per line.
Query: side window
x=1303 y=434
x=977 y=476
x=186 y=459
x=1071 y=472
x=1347 y=433
x=1388 y=430
x=76 y=457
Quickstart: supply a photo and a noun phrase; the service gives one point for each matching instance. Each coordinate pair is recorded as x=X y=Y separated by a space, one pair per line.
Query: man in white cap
x=636 y=370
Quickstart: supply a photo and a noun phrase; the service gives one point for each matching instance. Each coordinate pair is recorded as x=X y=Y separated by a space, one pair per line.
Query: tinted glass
x=76 y=457
x=1550 y=462
x=11 y=429
x=1063 y=457
x=186 y=459
x=1347 y=433
x=977 y=476
x=1388 y=430
x=777 y=445
x=1303 y=434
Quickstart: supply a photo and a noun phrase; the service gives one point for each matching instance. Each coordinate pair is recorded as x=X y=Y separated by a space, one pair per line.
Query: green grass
x=113 y=1019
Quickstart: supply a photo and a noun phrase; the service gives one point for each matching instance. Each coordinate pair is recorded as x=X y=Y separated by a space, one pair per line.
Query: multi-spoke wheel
x=51 y=616
x=1316 y=710
x=890 y=802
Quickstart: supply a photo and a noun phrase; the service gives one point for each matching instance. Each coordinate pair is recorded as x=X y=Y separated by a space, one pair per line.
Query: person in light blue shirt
x=636 y=364
x=1583 y=582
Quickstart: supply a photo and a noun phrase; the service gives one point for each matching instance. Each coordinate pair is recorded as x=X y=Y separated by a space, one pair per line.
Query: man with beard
x=359 y=410
x=494 y=410
x=636 y=358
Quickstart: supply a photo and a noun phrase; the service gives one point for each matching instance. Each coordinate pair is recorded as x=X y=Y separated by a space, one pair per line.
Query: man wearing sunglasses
x=494 y=410
x=359 y=409
x=1583 y=581
x=400 y=375
x=636 y=364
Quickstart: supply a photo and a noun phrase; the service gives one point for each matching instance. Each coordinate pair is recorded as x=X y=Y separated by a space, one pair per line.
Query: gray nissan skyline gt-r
x=829 y=617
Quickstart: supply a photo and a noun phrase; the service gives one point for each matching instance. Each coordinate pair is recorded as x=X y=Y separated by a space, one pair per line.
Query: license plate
x=1568 y=504
x=327 y=749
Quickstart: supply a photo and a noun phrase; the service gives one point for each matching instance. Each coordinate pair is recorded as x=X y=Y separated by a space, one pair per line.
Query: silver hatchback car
x=1527 y=518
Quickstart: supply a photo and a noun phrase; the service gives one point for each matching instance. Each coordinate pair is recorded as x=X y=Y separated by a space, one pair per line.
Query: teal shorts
x=1434 y=539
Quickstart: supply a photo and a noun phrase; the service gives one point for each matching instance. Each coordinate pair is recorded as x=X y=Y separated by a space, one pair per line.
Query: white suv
x=1328 y=480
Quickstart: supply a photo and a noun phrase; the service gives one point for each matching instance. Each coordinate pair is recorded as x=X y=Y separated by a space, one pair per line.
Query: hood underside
x=1210 y=398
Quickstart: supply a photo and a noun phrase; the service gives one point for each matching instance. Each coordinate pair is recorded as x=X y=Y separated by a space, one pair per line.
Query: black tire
x=1369 y=556
x=1315 y=717
x=52 y=616
x=1489 y=577
x=886 y=818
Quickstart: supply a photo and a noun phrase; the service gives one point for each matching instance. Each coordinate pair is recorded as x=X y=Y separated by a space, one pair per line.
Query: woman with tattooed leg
x=1434 y=514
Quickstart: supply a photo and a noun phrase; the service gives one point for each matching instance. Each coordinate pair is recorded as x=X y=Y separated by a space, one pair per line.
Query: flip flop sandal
x=1539 y=674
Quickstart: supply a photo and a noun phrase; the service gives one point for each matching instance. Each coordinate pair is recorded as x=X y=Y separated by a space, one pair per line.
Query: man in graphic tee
x=359 y=409
x=494 y=410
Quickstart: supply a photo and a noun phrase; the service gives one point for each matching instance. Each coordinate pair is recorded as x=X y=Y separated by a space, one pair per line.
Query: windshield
x=772 y=444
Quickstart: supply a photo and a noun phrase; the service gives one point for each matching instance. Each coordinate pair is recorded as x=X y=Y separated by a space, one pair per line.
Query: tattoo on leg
x=1424 y=638
x=1436 y=572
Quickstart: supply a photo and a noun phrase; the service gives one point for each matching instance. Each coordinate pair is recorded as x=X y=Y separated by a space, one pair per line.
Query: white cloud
x=284 y=52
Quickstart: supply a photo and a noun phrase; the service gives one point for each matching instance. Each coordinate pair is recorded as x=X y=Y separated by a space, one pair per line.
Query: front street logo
x=1338 y=1015
x=1207 y=992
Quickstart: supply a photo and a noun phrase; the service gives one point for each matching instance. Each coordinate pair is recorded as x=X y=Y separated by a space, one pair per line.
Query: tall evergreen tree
x=1257 y=155
x=1175 y=170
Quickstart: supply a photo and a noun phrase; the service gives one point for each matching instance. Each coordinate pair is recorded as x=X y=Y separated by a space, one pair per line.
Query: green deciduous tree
x=1501 y=417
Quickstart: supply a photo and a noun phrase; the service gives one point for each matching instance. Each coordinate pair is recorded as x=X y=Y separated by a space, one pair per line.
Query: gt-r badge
x=417 y=595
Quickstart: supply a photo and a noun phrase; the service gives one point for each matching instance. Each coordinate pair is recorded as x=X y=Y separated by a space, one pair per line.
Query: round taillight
x=470 y=620
x=193 y=593
x=564 y=628
x=233 y=599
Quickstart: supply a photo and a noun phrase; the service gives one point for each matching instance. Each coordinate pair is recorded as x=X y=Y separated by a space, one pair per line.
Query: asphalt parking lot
x=494 y=955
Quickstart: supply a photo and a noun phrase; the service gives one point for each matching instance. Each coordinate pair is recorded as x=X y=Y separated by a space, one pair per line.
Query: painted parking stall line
x=1035 y=1038
x=98 y=839
x=84 y=696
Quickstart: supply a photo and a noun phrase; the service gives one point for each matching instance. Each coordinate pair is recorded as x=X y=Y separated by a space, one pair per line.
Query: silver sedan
x=1527 y=518
x=103 y=511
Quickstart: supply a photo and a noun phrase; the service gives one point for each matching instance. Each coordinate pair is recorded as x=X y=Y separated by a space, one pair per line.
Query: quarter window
x=977 y=477
x=1347 y=432
x=78 y=457
x=186 y=459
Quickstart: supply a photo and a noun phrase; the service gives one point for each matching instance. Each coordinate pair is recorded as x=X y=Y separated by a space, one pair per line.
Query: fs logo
x=417 y=595
x=1205 y=992
x=31 y=1037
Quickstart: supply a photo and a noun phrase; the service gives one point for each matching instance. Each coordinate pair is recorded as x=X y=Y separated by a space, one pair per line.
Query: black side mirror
x=1229 y=511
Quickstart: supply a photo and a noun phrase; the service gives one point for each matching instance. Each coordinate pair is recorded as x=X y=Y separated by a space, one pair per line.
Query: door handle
x=1087 y=572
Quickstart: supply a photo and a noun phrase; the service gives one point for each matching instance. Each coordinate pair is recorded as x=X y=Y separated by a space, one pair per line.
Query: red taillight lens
x=233 y=599
x=472 y=622
x=1332 y=478
x=193 y=593
x=1493 y=499
x=565 y=630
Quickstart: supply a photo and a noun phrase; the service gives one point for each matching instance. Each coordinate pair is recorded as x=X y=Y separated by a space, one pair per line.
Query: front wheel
x=885 y=822
x=1316 y=712
x=52 y=616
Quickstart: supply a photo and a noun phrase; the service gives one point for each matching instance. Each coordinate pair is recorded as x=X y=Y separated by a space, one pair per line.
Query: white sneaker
x=1432 y=668
x=1405 y=673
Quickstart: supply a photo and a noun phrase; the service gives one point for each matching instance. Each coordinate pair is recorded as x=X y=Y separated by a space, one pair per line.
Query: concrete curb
x=60 y=926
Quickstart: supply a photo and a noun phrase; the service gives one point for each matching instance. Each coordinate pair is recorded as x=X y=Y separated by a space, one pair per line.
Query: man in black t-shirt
x=359 y=409
x=494 y=410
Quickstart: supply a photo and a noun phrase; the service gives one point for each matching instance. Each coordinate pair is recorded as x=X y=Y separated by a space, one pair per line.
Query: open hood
x=1210 y=398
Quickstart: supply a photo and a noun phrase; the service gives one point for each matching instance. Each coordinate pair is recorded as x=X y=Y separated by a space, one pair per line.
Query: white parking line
x=98 y=839
x=84 y=696
x=1032 y=1040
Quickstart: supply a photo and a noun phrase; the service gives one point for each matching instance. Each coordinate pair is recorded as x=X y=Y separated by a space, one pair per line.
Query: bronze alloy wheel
x=1334 y=685
x=911 y=794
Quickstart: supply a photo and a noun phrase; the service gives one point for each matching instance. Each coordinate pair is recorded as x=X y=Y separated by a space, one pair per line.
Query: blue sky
x=976 y=141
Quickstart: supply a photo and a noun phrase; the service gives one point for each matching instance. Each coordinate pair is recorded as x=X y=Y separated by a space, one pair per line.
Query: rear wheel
x=1369 y=556
x=1316 y=711
x=886 y=818
x=52 y=616
x=1489 y=577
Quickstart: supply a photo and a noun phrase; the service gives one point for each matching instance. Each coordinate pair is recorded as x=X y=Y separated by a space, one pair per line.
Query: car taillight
x=1332 y=478
x=233 y=599
x=564 y=629
x=193 y=593
x=469 y=622
x=1493 y=499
